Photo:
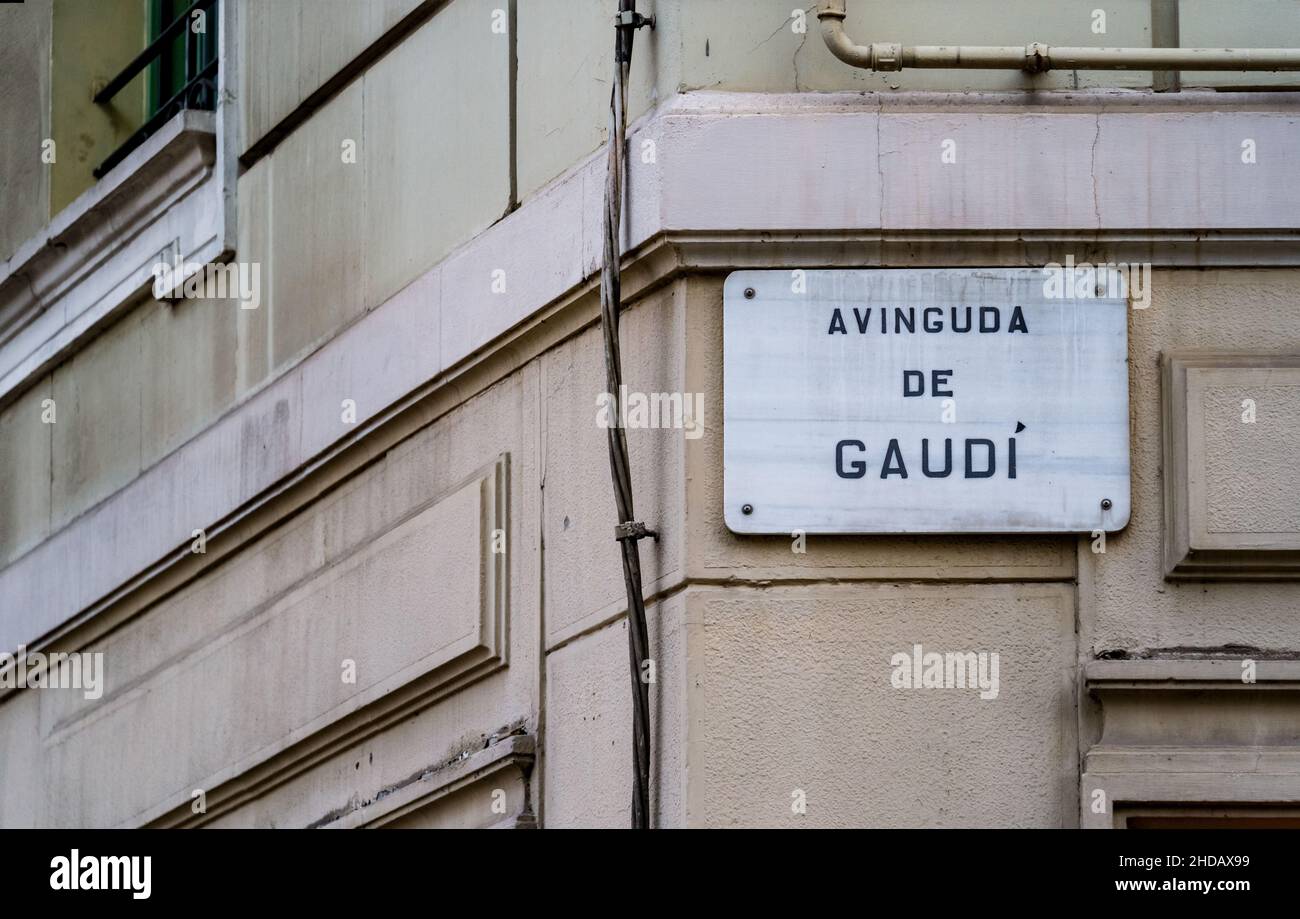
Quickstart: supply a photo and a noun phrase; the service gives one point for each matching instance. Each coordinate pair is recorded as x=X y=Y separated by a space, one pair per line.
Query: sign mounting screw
x=747 y=509
x=749 y=293
x=1106 y=504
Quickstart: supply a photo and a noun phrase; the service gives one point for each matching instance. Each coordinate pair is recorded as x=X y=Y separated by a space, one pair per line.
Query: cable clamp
x=633 y=529
x=629 y=19
x=1038 y=57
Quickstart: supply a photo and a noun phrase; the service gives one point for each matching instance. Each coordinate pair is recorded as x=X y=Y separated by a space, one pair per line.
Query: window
x=182 y=55
x=1208 y=817
x=180 y=58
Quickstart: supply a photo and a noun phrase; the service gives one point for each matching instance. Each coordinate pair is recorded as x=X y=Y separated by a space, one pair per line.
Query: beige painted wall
x=291 y=47
x=248 y=657
x=773 y=666
x=752 y=46
x=25 y=466
x=564 y=50
x=92 y=43
x=24 y=120
x=365 y=196
x=334 y=234
x=138 y=391
x=1131 y=605
x=786 y=655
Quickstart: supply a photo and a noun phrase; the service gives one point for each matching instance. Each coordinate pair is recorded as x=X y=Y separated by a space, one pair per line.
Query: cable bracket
x=630 y=19
x=633 y=529
x=626 y=22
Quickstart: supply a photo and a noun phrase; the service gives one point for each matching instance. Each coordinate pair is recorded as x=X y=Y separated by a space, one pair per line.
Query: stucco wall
x=377 y=542
x=24 y=120
x=1132 y=607
x=773 y=666
x=745 y=714
x=91 y=45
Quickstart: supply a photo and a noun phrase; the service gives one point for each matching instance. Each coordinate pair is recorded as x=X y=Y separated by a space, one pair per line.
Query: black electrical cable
x=629 y=531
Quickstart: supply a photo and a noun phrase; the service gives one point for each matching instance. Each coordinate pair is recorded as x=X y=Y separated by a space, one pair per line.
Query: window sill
x=97 y=255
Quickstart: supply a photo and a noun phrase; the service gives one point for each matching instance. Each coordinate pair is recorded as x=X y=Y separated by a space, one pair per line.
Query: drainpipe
x=1040 y=58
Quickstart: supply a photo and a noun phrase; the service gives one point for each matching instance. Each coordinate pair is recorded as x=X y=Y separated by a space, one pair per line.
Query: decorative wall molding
x=438 y=672
x=97 y=255
x=516 y=752
x=1191 y=732
x=1215 y=526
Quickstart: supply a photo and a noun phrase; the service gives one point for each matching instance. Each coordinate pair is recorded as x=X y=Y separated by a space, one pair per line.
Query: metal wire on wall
x=629 y=531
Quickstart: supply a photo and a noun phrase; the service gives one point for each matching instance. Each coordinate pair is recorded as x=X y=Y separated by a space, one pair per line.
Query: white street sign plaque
x=926 y=401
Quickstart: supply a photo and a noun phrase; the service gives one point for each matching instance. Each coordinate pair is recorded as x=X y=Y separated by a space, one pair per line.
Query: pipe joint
x=831 y=11
x=886 y=56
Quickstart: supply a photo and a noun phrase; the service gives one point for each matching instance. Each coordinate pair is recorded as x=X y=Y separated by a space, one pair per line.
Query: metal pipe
x=1040 y=58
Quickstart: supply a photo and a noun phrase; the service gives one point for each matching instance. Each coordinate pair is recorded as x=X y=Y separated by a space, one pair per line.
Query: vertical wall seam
x=512 y=81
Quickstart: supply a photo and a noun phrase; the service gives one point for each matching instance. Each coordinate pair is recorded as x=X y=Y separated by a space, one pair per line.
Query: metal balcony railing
x=198 y=88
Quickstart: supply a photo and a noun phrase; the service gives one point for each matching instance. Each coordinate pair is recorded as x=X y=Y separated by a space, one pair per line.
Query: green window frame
x=186 y=55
